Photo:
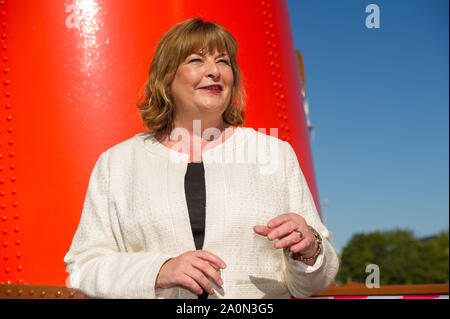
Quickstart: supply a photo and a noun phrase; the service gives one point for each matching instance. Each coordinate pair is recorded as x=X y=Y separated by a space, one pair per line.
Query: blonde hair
x=193 y=35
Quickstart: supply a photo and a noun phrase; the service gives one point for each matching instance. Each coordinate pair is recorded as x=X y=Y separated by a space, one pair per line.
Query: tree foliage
x=402 y=258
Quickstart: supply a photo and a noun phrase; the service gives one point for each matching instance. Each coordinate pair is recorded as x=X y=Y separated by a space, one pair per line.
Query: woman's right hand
x=190 y=270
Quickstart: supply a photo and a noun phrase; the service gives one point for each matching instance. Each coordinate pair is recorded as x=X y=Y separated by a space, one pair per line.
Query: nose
x=212 y=71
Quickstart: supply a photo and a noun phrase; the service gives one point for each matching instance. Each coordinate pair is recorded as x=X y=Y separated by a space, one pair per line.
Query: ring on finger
x=299 y=233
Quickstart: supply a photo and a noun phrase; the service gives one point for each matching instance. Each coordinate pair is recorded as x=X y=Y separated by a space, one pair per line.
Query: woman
x=187 y=209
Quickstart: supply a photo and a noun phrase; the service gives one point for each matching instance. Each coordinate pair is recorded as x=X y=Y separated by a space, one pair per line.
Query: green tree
x=402 y=258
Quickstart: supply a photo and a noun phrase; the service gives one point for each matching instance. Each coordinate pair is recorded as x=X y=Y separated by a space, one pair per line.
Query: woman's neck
x=195 y=139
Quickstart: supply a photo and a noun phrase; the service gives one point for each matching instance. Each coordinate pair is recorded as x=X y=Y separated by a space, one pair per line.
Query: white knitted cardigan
x=135 y=217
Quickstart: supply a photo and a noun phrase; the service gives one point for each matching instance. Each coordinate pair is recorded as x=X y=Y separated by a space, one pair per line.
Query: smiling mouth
x=212 y=88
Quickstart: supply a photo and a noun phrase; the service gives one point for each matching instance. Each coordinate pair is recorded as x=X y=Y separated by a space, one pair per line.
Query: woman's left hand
x=284 y=227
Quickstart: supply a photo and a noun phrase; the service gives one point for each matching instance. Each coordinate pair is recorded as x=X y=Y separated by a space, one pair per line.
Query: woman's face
x=191 y=87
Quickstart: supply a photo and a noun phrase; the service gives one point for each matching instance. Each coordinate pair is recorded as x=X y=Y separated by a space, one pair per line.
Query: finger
x=282 y=230
x=291 y=239
x=261 y=230
x=306 y=246
x=208 y=270
x=200 y=279
x=211 y=258
x=212 y=264
x=274 y=222
x=191 y=284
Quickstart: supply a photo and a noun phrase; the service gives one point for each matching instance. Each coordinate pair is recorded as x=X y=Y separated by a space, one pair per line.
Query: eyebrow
x=219 y=56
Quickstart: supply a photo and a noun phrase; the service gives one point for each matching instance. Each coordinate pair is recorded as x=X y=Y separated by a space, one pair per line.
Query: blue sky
x=379 y=102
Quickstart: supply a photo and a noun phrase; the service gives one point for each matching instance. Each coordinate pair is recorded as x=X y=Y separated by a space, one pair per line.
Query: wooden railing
x=359 y=289
x=38 y=292
x=352 y=289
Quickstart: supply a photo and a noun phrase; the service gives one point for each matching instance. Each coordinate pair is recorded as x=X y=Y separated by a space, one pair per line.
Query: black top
x=194 y=187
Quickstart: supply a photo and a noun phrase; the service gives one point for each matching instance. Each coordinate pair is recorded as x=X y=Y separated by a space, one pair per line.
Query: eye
x=226 y=61
x=194 y=60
